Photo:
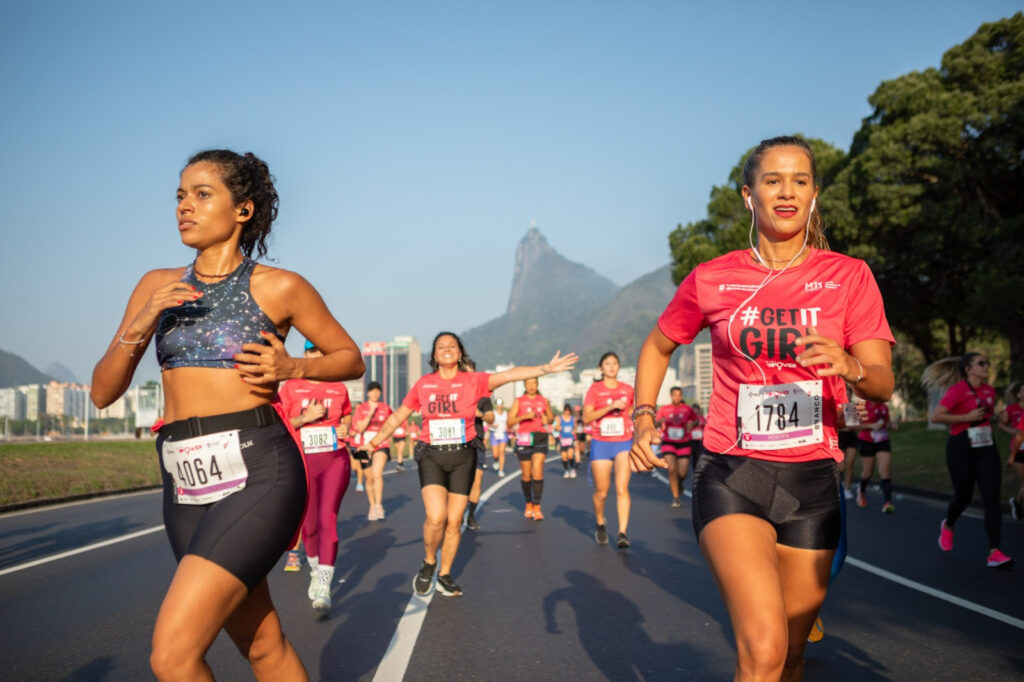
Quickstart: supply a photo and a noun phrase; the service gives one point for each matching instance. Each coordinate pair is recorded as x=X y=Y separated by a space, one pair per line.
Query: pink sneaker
x=946 y=537
x=997 y=558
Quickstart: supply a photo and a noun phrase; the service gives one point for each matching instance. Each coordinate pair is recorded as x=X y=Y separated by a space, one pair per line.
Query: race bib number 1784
x=779 y=416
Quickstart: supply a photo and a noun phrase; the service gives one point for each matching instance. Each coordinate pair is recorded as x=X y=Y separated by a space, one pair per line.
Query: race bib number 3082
x=779 y=416
x=205 y=468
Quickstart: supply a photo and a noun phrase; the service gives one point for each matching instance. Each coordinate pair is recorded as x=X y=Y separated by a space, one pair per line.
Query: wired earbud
x=244 y=211
x=750 y=203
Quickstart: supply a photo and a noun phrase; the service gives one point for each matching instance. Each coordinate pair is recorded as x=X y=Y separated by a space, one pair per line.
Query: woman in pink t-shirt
x=1011 y=420
x=445 y=454
x=790 y=322
x=530 y=414
x=366 y=422
x=971 y=456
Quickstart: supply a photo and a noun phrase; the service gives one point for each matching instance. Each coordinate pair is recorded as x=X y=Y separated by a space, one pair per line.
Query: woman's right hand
x=168 y=296
x=641 y=454
x=975 y=415
x=314 y=412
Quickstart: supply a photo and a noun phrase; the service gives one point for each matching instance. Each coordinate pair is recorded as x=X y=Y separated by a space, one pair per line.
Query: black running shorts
x=449 y=466
x=248 y=531
x=799 y=499
x=539 y=447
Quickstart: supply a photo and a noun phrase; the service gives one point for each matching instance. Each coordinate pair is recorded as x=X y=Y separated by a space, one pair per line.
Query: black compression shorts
x=453 y=467
x=870 y=449
x=847 y=439
x=799 y=499
x=539 y=446
x=246 y=532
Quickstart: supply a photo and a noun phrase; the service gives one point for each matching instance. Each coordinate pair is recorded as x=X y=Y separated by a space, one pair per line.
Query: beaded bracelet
x=120 y=339
x=641 y=410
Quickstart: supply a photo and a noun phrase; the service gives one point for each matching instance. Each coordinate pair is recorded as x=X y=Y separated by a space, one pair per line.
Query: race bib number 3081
x=775 y=417
x=447 y=431
x=205 y=468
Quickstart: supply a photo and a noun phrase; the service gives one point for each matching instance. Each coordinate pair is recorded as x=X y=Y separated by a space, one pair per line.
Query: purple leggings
x=328 y=480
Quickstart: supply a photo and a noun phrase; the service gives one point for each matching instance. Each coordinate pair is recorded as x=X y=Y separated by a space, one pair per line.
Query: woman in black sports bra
x=234 y=481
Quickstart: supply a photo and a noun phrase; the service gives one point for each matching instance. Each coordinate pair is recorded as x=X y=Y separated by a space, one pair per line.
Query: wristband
x=860 y=374
x=641 y=410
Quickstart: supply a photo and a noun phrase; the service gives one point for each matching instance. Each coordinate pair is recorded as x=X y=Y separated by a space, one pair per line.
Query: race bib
x=697 y=434
x=676 y=433
x=980 y=436
x=613 y=426
x=779 y=416
x=318 y=439
x=447 y=432
x=566 y=441
x=205 y=468
x=879 y=436
x=524 y=440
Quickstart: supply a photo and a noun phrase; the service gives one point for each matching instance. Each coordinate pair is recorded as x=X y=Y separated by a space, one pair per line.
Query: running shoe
x=380 y=512
x=945 y=537
x=572 y=473
x=311 y=592
x=1014 y=509
x=322 y=598
x=817 y=631
x=997 y=559
x=566 y=474
x=888 y=508
x=862 y=499
x=528 y=512
x=423 y=583
x=621 y=541
x=501 y=472
x=601 y=536
x=471 y=523
x=447 y=586
x=538 y=515
x=399 y=467
x=676 y=502
x=495 y=465
x=294 y=563
x=372 y=514
x=359 y=487
x=847 y=493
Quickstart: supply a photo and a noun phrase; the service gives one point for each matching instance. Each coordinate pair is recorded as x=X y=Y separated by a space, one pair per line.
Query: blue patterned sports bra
x=210 y=331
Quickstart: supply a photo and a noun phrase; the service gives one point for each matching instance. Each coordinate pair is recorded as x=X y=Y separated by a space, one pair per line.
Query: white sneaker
x=501 y=472
x=311 y=592
x=322 y=600
x=495 y=465
x=566 y=474
x=380 y=512
x=847 y=493
x=572 y=473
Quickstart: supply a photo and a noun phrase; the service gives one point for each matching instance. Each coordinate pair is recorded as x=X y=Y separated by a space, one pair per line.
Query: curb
x=50 y=501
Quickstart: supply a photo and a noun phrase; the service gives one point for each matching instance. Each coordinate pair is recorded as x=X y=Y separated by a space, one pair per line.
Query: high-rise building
x=12 y=403
x=695 y=370
x=35 y=401
x=395 y=364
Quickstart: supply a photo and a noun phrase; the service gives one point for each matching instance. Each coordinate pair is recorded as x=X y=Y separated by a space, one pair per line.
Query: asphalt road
x=542 y=601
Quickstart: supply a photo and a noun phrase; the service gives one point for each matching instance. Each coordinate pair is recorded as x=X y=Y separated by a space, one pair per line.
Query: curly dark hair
x=247 y=178
x=466 y=363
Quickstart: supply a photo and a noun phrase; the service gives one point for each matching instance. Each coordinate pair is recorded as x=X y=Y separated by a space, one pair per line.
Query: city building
x=35 y=401
x=695 y=370
x=12 y=403
x=396 y=365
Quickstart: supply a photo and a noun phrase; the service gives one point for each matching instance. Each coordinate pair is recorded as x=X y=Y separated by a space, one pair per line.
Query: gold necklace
x=205 y=274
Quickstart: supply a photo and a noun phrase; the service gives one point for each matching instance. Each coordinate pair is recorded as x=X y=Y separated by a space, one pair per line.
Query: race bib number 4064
x=205 y=468
x=779 y=416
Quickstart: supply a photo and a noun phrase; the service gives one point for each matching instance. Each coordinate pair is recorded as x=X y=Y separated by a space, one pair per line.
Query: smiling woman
x=233 y=477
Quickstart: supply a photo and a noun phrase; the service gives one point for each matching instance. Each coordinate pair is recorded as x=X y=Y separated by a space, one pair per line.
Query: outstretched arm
x=559 y=363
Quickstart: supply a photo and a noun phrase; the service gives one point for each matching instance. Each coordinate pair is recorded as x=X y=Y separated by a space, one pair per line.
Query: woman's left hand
x=259 y=364
x=821 y=350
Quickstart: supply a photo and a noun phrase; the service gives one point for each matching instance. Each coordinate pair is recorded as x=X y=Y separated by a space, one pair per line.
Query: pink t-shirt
x=615 y=421
x=675 y=417
x=536 y=404
x=295 y=395
x=961 y=399
x=377 y=417
x=834 y=293
x=456 y=398
x=876 y=412
x=1015 y=419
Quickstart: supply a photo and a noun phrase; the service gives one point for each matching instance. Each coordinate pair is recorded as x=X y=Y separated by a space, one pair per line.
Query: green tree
x=930 y=195
x=727 y=225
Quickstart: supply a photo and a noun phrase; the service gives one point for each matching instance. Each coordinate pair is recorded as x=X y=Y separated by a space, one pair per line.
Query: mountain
x=623 y=324
x=15 y=371
x=552 y=298
x=558 y=304
x=61 y=373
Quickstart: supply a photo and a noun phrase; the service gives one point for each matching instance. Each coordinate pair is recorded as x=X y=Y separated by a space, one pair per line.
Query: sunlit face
x=677 y=396
x=446 y=351
x=782 y=193
x=373 y=395
x=207 y=214
x=978 y=368
x=610 y=367
x=531 y=386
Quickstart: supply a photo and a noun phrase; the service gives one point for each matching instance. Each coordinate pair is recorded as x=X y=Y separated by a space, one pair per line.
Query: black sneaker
x=471 y=523
x=423 y=583
x=621 y=541
x=1014 y=508
x=447 y=586
x=601 y=536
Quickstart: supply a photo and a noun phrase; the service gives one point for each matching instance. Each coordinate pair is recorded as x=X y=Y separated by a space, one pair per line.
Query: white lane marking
x=396 y=658
x=938 y=594
x=81 y=550
x=914 y=585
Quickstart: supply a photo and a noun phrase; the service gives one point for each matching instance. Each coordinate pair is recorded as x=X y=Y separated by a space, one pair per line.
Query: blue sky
x=412 y=142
